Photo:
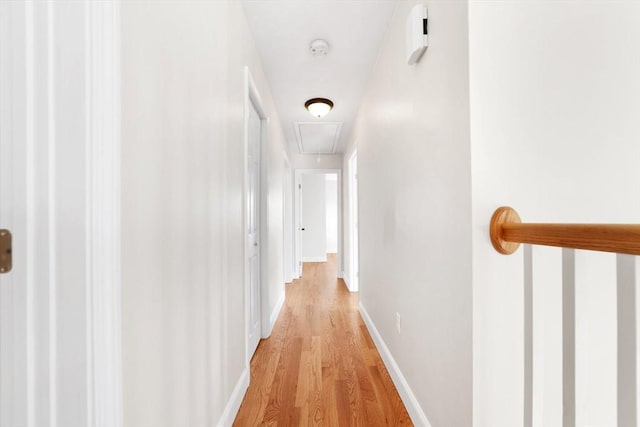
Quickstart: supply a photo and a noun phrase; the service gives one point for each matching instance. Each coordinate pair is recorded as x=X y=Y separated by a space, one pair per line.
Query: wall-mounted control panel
x=417 y=33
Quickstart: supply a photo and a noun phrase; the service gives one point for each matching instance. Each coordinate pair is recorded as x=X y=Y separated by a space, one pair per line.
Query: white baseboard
x=314 y=259
x=274 y=315
x=416 y=413
x=347 y=280
x=289 y=276
x=234 y=402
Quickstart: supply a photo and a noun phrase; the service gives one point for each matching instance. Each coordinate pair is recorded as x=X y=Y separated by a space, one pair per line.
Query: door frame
x=288 y=226
x=354 y=232
x=252 y=97
x=104 y=278
x=296 y=222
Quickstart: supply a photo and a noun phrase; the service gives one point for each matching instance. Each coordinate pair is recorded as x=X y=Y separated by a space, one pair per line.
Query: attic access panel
x=317 y=138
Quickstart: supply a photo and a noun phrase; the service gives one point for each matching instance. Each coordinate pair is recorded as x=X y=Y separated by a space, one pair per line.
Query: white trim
x=347 y=280
x=288 y=227
x=104 y=365
x=296 y=221
x=264 y=213
x=51 y=225
x=274 y=315
x=234 y=402
x=314 y=259
x=410 y=401
x=353 y=214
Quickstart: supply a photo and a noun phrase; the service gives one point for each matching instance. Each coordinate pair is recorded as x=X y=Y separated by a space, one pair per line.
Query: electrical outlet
x=398 y=323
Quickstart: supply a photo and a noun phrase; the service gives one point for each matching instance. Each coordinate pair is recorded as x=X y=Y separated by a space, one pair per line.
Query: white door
x=298 y=224
x=14 y=284
x=58 y=366
x=313 y=217
x=253 y=226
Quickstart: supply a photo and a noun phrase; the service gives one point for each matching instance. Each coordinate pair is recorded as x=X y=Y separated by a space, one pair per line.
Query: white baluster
x=528 y=336
x=568 y=338
x=627 y=381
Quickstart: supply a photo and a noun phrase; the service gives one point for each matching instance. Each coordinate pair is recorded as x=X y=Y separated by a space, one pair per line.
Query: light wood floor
x=320 y=366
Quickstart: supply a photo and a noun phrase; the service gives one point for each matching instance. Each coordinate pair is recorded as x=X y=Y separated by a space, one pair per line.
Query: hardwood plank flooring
x=320 y=366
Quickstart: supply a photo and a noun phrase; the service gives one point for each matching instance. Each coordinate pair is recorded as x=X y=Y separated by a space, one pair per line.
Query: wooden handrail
x=507 y=232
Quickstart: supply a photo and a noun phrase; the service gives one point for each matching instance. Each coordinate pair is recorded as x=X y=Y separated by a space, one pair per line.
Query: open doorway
x=318 y=219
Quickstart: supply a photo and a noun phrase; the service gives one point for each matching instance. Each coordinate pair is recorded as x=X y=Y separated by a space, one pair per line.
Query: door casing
x=289 y=259
x=354 y=266
x=297 y=219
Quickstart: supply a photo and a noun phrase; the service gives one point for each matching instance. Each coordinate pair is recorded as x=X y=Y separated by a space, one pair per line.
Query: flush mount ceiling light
x=319 y=107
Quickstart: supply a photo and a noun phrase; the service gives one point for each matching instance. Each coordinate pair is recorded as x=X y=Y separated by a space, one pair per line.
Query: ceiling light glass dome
x=319 y=107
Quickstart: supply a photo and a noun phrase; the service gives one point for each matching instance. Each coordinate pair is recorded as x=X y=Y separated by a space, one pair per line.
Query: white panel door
x=253 y=226
x=16 y=285
x=314 y=217
x=58 y=118
x=298 y=225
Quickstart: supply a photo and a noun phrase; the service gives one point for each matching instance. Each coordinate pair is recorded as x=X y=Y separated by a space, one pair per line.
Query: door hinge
x=299 y=186
x=5 y=251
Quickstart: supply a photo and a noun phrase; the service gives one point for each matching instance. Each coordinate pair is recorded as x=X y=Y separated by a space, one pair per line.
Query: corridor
x=173 y=174
x=320 y=366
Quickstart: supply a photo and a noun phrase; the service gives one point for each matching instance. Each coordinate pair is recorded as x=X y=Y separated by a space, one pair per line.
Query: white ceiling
x=283 y=30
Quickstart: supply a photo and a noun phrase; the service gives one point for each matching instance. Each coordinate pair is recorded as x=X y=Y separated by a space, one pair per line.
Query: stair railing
x=508 y=232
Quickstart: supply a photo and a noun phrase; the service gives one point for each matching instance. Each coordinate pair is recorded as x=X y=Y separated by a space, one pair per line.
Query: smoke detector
x=319 y=47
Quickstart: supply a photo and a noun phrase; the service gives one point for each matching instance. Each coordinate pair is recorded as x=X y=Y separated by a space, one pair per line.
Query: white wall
x=331 y=206
x=314 y=217
x=413 y=147
x=183 y=256
x=554 y=100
